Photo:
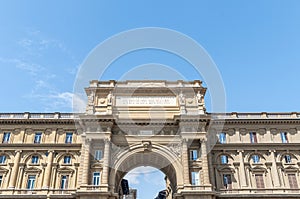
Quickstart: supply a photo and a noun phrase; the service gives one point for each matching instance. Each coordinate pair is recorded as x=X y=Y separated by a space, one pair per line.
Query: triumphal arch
x=163 y=124
x=150 y=123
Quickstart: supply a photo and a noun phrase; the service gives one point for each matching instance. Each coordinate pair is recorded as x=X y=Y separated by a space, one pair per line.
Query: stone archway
x=156 y=156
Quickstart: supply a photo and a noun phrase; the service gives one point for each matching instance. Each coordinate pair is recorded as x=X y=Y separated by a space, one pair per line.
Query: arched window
x=255 y=158
x=2 y=159
x=224 y=159
x=287 y=159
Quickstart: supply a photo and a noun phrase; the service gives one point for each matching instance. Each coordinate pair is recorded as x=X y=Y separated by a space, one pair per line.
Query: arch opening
x=156 y=158
x=146 y=182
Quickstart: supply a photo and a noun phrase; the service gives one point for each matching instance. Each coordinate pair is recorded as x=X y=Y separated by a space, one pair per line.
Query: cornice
x=257 y=146
x=42 y=146
x=256 y=121
x=37 y=121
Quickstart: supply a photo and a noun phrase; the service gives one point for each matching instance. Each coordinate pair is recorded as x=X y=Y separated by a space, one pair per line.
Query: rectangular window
x=37 y=138
x=195 y=178
x=98 y=154
x=284 y=137
x=30 y=182
x=253 y=137
x=255 y=159
x=67 y=159
x=227 y=182
x=96 y=178
x=35 y=159
x=193 y=154
x=6 y=137
x=259 y=181
x=69 y=137
x=2 y=159
x=293 y=181
x=224 y=159
x=1 y=179
x=222 y=138
x=64 y=182
x=288 y=159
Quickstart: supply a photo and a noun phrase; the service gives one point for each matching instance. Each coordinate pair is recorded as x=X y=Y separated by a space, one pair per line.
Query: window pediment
x=258 y=169
x=65 y=170
x=32 y=170
x=97 y=165
x=290 y=168
x=225 y=169
x=3 y=170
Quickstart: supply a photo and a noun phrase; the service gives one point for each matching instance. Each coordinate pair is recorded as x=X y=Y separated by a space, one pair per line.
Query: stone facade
x=149 y=123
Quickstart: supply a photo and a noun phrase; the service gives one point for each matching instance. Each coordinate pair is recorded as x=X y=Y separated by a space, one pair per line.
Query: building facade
x=149 y=123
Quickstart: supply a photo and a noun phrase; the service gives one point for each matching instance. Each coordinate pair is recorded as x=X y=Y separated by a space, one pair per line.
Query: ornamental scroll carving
x=115 y=150
x=176 y=149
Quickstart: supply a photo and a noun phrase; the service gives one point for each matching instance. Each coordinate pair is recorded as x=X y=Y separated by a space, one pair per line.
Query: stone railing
x=259 y=191
x=263 y=115
x=93 y=188
x=37 y=191
x=234 y=115
x=198 y=187
x=27 y=115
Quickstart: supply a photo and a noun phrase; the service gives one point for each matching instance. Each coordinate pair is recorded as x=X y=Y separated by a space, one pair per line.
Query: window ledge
x=34 y=164
x=66 y=164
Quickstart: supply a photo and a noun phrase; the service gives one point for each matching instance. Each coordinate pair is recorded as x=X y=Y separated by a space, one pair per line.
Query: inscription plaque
x=146 y=101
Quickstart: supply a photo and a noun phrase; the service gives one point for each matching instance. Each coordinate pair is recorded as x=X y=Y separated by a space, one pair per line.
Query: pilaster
x=86 y=163
x=243 y=181
x=274 y=170
x=106 y=162
x=48 y=169
x=205 y=169
x=15 y=169
x=185 y=162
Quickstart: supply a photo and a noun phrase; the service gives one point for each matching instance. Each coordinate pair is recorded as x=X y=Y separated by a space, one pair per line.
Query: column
x=47 y=177
x=86 y=163
x=54 y=171
x=243 y=182
x=205 y=168
x=14 y=171
x=185 y=162
x=274 y=170
x=218 y=179
x=106 y=162
x=19 y=185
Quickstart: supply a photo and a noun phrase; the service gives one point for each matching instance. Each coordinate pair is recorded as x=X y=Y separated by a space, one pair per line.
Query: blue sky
x=255 y=45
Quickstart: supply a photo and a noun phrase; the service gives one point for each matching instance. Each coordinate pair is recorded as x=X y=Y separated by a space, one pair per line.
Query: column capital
x=108 y=129
x=88 y=141
x=107 y=140
x=184 y=141
x=240 y=151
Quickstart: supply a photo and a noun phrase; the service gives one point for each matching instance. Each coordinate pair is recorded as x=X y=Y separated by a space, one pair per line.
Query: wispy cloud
x=32 y=68
x=55 y=101
x=35 y=53
x=145 y=174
